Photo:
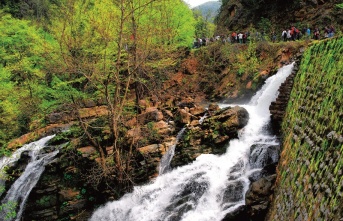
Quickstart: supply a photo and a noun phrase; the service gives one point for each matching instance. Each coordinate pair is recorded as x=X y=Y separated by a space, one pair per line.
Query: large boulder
x=262 y=155
x=258 y=197
x=210 y=136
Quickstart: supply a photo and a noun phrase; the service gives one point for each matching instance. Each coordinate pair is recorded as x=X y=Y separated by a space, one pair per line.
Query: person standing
x=284 y=35
x=240 y=37
x=289 y=35
x=308 y=33
x=273 y=36
x=234 y=36
x=331 y=31
x=316 y=34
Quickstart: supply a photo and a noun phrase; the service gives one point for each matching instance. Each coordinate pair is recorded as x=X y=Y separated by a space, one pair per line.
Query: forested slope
x=309 y=184
x=270 y=15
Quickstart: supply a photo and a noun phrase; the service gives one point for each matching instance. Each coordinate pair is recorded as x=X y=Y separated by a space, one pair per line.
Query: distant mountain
x=209 y=9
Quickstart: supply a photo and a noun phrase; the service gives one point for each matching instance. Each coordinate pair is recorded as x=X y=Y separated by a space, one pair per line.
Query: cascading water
x=211 y=186
x=21 y=188
x=168 y=156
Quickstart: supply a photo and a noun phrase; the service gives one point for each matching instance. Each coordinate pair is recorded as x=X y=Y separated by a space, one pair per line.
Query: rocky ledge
x=211 y=135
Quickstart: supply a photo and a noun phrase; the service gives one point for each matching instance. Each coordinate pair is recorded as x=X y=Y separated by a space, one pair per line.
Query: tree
x=203 y=28
x=106 y=46
x=23 y=52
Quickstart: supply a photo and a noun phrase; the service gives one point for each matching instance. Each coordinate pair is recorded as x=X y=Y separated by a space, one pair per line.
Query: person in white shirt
x=284 y=35
x=240 y=37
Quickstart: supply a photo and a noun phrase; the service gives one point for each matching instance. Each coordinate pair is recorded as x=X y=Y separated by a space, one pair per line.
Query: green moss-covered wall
x=310 y=178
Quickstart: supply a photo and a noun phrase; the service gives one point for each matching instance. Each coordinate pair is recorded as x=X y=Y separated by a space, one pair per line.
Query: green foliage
x=44 y=201
x=82 y=193
x=65 y=204
x=35 y=9
x=247 y=61
x=22 y=59
x=203 y=28
x=7 y=210
x=264 y=25
x=67 y=176
x=64 y=137
x=208 y=10
x=2 y=189
x=4 y=152
x=152 y=134
x=340 y=5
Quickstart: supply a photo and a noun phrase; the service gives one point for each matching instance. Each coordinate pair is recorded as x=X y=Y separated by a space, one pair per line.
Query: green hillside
x=209 y=10
x=310 y=171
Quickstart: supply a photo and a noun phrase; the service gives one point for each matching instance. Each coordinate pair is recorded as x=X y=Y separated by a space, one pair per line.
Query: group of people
x=234 y=38
x=199 y=42
x=290 y=34
x=293 y=33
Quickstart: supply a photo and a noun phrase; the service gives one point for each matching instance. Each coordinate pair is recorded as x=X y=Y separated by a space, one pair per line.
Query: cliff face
x=240 y=14
x=309 y=182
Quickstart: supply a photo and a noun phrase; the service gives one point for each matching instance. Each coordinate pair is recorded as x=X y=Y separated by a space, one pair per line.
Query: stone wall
x=309 y=182
x=278 y=107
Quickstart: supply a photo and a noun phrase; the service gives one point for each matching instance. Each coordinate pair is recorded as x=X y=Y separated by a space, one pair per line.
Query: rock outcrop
x=258 y=197
x=238 y=15
x=211 y=135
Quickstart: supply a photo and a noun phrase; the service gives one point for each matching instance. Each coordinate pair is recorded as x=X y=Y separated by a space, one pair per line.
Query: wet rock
x=233 y=192
x=257 y=197
x=262 y=155
x=266 y=171
x=211 y=136
x=239 y=214
x=185 y=200
x=236 y=171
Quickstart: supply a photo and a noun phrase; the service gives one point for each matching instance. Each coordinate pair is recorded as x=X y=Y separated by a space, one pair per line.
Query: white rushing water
x=211 y=186
x=21 y=188
x=33 y=147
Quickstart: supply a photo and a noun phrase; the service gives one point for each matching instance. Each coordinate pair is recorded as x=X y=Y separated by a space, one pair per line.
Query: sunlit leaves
x=23 y=54
x=340 y=5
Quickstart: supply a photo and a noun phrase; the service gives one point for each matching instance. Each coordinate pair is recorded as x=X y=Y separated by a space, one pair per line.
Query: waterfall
x=21 y=188
x=211 y=186
x=168 y=156
x=33 y=147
